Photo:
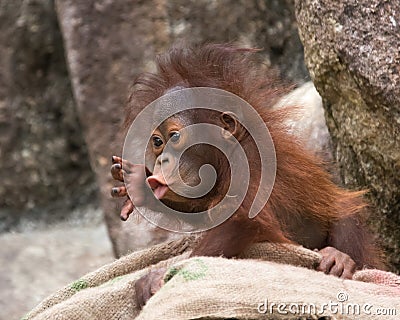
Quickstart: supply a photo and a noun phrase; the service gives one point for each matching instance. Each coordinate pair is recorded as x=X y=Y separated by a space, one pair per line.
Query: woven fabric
x=215 y=288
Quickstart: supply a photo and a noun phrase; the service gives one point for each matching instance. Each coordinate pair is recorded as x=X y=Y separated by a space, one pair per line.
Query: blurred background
x=65 y=70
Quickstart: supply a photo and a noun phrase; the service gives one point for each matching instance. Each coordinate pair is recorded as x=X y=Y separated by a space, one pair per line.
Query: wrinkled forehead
x=182 y=106
x=192 y=116
x=176 y=122
x=169 y=104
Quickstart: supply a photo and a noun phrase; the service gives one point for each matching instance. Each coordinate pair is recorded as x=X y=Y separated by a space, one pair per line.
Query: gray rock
x=268 y=25
x=352 y=49
x=308 y=123
x=43 y=159
x=109 y=42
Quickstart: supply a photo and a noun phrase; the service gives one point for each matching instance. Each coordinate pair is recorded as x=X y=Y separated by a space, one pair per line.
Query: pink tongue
x=160 y=191
x=159 y=188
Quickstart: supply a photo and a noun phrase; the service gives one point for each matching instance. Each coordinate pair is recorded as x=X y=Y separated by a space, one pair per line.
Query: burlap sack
x=108 y=291
x=217 y=288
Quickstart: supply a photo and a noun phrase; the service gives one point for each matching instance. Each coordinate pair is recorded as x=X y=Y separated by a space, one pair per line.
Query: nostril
x=162 y=159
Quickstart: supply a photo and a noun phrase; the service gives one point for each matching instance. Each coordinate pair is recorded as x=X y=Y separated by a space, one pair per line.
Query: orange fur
x=303 y=189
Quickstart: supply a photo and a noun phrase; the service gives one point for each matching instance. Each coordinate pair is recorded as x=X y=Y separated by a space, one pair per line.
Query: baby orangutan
x=305 y=207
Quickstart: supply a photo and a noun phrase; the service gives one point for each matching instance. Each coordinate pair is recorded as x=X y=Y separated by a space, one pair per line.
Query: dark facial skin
x=168 y=167
x=178 y=156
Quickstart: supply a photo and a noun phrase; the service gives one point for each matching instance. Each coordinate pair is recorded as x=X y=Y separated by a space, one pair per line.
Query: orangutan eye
x=157 y=141
x=175 y=136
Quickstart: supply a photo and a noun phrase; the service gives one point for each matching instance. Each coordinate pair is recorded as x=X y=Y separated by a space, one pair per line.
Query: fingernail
x=116 y=166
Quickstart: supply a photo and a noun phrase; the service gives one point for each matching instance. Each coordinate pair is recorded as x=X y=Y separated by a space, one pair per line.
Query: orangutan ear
x=232 y=126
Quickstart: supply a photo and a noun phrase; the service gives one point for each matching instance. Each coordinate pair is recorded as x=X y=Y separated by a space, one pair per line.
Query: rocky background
x=65 y=70
x=44 y=162
x=352 y=49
